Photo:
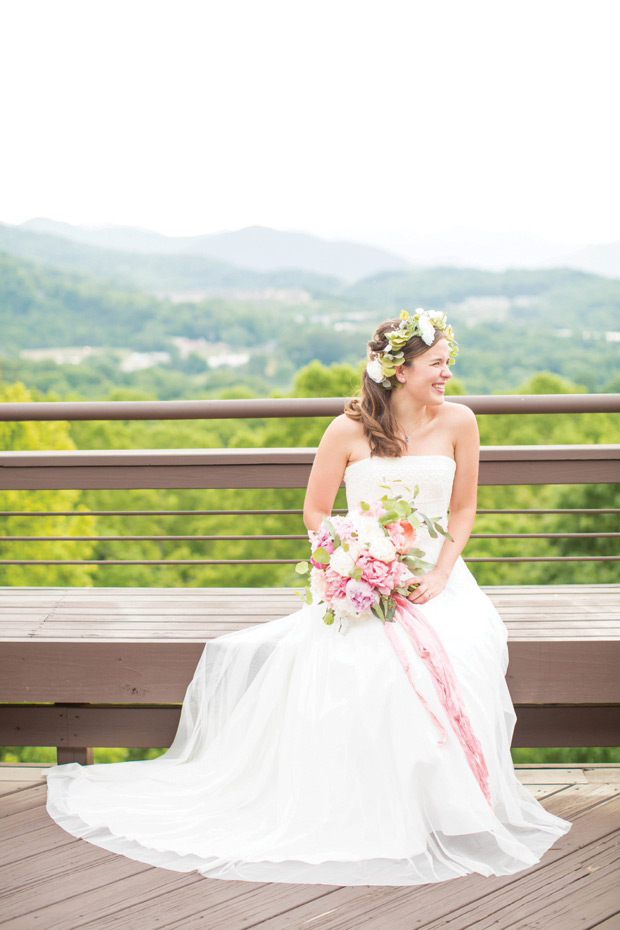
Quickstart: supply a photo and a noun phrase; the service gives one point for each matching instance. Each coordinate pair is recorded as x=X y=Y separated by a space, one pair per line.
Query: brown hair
x=373 y=408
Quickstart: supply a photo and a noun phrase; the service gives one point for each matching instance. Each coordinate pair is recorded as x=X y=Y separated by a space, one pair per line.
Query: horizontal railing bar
x=251 y=513
x=259 y=408
x=248 y=538
x=502 y=455
x=507 y=558
x=587 y=510
x=277 y=468
x=151 y=513
x=261 y=538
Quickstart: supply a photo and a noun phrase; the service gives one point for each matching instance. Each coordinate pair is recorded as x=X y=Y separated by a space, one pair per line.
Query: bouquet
x=362 y=560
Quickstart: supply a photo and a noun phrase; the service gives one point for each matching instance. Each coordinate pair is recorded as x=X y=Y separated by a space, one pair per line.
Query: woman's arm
x=464 y=491
x=329 y=464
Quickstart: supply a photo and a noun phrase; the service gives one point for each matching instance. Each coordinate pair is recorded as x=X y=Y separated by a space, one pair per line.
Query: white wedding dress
x=304 y=754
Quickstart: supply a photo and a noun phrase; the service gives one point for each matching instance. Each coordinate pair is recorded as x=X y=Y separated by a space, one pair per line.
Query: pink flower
x=344 y=527
x=375 y=573
x=400 y=575
x=336 y=585
x=360 y=594
x=323 y=538
x=375 y=509
x=402 y=535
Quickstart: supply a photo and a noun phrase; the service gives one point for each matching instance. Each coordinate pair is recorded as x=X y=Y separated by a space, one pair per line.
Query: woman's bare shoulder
x=460 y=413
x=344 y=427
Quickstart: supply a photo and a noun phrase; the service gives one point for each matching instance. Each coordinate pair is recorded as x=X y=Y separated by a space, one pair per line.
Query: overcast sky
x=344 y=118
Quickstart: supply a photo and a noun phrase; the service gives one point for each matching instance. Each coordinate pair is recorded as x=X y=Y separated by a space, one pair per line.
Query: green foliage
x=33 y=435
x=313 y=380
x=553 y=319
x=584 y=755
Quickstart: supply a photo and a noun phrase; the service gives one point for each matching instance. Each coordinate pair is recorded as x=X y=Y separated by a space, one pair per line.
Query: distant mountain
x=599 y=259
x=552 y=298
x=462 y=246
x=157 y=273
x=255 y=247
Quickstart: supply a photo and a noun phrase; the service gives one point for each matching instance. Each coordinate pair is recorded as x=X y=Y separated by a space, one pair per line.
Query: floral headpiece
x=382 y=365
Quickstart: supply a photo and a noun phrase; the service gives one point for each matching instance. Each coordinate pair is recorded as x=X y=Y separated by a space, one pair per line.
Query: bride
x=310 y=753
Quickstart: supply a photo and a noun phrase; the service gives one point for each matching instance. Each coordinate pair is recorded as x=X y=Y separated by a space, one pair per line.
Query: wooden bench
x=109 y=666
x=115 y=662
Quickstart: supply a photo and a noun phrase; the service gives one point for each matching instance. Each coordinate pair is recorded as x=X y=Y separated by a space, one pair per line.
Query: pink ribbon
x=429 y=647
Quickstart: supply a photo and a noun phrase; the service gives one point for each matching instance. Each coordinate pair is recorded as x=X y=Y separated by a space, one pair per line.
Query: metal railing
x=282 y=469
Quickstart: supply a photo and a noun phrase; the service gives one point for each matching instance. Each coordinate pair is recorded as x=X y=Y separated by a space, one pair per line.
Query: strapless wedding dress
x=305 y=755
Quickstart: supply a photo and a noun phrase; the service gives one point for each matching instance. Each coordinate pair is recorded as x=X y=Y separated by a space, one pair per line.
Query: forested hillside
x=510 y=326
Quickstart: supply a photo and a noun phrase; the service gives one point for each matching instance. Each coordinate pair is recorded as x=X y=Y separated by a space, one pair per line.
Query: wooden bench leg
x=81 y=754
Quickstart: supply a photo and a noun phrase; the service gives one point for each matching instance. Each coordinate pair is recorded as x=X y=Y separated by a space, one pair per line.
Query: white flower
x=354 y=550
x=374 y=371
x=369 y=531
x=437 y=317
x=341 y=562
x=382 y=549
x=345 y=613
x=427 y=330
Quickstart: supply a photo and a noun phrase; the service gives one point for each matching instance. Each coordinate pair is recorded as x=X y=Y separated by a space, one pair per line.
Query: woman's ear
x=400 y=375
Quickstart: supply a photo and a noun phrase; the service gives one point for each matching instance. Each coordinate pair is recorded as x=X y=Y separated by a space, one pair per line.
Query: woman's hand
x=430 y=585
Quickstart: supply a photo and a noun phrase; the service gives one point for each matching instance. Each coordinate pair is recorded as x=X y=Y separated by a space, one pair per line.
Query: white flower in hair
x=427 y=330
x=424 y=323
x=374 y=370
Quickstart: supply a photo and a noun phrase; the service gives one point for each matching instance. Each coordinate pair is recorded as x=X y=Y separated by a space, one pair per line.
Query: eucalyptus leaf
x=378 y=611
x=443 y=532
x=333 y=531
x=429 y=525
x=321 y=556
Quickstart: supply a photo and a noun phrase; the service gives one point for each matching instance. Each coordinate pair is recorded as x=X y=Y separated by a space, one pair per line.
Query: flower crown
x=382 y=365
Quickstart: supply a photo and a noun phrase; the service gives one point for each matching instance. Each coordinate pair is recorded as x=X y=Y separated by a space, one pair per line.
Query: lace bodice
x=433 y=474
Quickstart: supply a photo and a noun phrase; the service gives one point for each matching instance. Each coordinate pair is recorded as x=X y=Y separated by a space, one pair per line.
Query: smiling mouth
x=440 y=386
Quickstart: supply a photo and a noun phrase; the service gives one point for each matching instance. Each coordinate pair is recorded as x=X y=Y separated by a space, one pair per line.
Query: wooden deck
x=51 y=881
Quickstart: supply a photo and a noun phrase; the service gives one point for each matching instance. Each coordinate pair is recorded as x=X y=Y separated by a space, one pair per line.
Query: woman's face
x=425 y=379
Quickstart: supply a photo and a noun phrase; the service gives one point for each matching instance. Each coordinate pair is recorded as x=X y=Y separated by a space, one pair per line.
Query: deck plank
x=530 y=612
x=52 y=880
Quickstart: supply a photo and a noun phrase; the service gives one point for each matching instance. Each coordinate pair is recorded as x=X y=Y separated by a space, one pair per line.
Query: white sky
x=351 y=118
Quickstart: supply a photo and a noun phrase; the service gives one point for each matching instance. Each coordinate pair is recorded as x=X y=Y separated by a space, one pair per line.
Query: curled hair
x=373 y=406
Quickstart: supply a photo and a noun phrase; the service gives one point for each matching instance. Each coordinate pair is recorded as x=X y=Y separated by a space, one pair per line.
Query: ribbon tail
x=400 y=652
x=429 y=647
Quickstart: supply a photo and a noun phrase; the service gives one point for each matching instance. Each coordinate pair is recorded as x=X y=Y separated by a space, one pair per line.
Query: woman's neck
x=407 y=415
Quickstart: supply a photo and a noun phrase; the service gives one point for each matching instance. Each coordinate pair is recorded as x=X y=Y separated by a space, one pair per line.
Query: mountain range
x=258 y=258
x=258 y=248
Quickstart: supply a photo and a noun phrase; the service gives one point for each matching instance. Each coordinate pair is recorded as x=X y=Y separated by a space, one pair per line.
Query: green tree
x=34 y=435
